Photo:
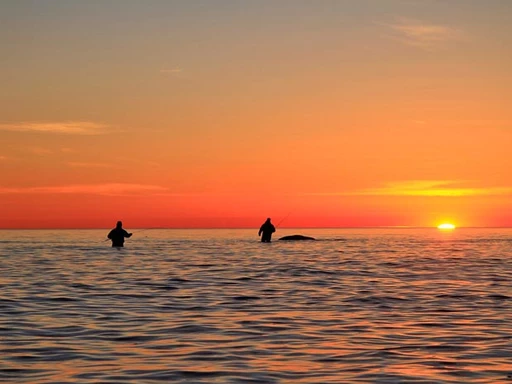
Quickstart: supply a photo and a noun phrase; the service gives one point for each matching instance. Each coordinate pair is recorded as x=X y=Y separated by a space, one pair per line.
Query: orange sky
x=220 y=114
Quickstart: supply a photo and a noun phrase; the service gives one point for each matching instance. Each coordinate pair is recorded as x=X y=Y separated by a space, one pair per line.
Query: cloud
x=68 y=127
x=433 y=188
x=423 y=35
x=172 y=70
x=175 y=72
x=40 y=151
x=108 y=189
x=429 y=188
x=78 y=164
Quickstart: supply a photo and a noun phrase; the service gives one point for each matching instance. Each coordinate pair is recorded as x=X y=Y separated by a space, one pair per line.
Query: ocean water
x=218 y=306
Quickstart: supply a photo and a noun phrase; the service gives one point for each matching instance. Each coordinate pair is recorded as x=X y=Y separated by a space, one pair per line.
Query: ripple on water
x=369 y=307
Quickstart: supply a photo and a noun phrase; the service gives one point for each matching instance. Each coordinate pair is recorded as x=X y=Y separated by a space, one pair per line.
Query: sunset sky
x=221 y=113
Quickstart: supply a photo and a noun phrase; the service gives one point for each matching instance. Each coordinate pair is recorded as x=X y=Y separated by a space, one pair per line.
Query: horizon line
x=223 y=228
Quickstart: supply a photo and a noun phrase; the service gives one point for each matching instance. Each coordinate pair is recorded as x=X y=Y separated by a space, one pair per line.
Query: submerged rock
x=296 y=238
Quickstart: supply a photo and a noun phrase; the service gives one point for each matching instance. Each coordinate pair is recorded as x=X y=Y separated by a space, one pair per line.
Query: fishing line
x=139 y=231
x=283 y=219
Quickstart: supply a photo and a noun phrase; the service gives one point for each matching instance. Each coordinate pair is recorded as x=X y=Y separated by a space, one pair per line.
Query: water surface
x=217 y=306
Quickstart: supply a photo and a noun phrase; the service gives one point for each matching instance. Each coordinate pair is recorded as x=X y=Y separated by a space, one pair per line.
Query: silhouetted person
x=118 y=234
x=266 y=231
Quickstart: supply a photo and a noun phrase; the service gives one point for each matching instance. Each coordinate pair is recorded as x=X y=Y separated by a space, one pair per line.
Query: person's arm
x=126 y=234
x=109 y=235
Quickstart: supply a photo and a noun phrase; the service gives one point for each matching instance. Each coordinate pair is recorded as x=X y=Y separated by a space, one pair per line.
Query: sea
x=386 y=305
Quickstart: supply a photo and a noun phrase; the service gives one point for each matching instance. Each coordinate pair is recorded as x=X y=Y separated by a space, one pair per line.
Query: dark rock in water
x=297 y=238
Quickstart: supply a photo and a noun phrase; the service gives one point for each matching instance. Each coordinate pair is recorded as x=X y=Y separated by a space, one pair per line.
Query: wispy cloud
x=67 y=127
x=432 y=188
x=40 y=151
x=108 y=189
x=423 y=35
x=78 y=164
x=172 y=70
x=177 y=72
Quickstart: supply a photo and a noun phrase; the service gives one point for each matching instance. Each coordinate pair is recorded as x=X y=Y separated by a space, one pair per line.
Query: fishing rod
x=139 y=231
x=144 y=229
x=283 y=219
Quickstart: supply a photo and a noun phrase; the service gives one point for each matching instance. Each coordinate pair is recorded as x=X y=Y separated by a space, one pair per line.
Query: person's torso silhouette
x=266 y=231
x=118 y=234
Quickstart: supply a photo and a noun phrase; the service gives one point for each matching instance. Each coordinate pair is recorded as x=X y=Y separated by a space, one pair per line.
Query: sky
x=221 y=113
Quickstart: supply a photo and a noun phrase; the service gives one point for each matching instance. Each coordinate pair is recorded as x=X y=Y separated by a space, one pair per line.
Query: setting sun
x=446 y=226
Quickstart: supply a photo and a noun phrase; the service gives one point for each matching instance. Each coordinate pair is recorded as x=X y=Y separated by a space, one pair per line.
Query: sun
x=446 y=226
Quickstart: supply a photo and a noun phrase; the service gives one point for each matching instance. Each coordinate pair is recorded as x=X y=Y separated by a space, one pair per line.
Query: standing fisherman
x=118 y=234
x=267 y=229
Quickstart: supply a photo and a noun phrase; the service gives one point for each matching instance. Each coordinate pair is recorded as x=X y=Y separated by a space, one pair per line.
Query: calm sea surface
x=218 y=306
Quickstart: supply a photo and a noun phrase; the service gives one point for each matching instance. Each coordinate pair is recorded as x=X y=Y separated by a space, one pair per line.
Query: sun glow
x=446 y=226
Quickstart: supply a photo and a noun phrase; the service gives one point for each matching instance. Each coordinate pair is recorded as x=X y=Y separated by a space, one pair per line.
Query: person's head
x=119 y=224
x=268 y=219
